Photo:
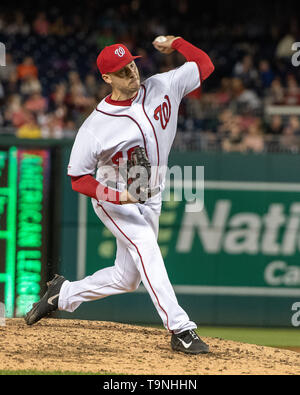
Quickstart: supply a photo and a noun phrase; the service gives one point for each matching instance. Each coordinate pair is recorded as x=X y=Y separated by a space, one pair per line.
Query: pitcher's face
x=126 y=79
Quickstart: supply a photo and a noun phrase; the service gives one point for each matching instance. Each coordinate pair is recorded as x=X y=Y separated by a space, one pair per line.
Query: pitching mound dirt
x=93 y=346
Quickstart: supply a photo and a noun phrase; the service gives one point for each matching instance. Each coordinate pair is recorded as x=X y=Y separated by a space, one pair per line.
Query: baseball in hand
x=164 y=44
x=161 y=39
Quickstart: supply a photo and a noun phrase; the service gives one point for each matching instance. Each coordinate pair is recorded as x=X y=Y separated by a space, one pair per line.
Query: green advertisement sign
x=247 y=236
x=235 y=262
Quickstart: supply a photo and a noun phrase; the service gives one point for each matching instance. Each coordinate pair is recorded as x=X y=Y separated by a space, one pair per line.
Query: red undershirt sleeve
x=194 y=54
x=88 y=186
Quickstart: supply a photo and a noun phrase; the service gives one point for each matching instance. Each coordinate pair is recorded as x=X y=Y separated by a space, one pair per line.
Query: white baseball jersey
x=111 y=131
x=109 y=134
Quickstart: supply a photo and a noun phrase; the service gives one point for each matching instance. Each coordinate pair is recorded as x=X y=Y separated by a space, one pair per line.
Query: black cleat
x=189 y=342
x=48 y=303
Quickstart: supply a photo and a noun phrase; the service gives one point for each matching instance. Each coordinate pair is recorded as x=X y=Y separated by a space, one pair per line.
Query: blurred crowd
x=50 y=82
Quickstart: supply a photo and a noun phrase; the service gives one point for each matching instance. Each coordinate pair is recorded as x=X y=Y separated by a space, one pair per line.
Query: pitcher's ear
x=106 y=78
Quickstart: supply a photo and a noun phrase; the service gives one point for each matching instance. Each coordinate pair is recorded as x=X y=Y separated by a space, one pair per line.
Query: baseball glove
x=138 y=175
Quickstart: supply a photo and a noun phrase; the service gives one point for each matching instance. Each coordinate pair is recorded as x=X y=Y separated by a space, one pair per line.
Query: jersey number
x=163 y=112
x=115 y=159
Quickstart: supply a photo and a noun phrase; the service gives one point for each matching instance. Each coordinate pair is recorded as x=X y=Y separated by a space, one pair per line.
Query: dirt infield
x=93 y=346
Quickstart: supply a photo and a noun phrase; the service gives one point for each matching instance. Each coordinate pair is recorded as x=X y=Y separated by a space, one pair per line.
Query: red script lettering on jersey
x=163 y=112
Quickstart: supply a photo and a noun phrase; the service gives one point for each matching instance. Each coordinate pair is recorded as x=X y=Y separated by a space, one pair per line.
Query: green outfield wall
x=235 y=262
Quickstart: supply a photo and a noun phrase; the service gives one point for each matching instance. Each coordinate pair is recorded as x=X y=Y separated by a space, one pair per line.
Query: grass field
x=273 y=337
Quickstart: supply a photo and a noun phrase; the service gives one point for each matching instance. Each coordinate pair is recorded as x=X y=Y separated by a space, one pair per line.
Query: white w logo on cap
x=120 y=52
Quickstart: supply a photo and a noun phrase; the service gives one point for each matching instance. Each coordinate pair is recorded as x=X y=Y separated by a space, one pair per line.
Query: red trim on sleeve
x=194 y=54
x=88 y=186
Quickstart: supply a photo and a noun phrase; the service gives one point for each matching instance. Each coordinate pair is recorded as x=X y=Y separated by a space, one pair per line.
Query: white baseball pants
x=138 y=258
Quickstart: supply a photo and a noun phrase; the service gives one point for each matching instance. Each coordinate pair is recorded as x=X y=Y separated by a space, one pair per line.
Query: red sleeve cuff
x=177 y=42
x=88 y=186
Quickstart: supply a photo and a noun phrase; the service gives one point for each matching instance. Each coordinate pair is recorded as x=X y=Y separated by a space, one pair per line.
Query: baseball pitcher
x=118 y=159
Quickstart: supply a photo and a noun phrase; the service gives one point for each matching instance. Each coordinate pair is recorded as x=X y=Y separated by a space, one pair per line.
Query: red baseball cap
x=113 y=58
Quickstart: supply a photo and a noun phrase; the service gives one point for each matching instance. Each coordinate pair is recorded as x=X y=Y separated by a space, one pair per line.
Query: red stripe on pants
x=140 y=259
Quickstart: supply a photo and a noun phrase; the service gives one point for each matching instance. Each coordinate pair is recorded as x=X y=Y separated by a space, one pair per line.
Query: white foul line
x=253 y=186
x=236 y=185
x=233 y=291
x=81 y=236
